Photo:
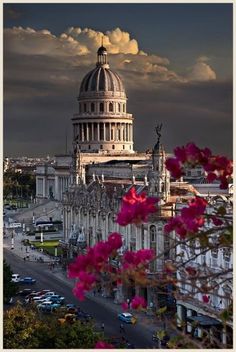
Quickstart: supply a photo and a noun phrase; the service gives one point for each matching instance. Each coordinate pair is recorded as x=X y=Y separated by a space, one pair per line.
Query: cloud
x=202 y=71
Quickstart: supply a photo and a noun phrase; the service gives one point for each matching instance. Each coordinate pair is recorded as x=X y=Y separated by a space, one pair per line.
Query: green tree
x=9 y=288
x=26 y=328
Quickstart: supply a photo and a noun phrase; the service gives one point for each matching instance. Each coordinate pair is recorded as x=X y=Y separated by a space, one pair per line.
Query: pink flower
x=138 y=303
x=136 y=208
x=124 y=306
x=85 y=283
x=133 y=259
x=103 y=345
x=174 y=167
x=205 y=298
x=115 y=240
x=190 y=219
x=217 y=167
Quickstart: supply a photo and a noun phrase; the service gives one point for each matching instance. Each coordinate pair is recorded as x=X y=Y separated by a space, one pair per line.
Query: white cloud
x=202 y=71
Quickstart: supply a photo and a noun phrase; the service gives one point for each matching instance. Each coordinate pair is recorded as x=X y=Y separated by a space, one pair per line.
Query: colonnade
x=103 y=131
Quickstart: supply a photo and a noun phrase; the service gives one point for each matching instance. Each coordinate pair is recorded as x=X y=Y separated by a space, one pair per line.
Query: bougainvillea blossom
x=191 y=218
x=93 y=262
x=138 y=302
x=135 y=208
x=124 y=306
x=205 y=298
x=103 y=345
x=217 y=167
x=133 y=259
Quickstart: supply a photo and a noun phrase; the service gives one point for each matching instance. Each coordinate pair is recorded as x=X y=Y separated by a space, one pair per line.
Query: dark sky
x=175 y=61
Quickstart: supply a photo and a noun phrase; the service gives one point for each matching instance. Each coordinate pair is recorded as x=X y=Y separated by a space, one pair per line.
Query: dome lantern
x=102 y=56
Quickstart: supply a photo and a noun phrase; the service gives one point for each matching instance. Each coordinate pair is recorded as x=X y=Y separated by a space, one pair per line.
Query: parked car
x=24 y=292
x=27 y=280
x=30 y=296
x=57 y=298
x=15 y=278
x=127 y=318
x=49 y=294
x=47 y=306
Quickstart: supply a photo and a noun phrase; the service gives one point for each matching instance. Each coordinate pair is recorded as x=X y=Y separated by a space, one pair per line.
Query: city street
x=136 y=334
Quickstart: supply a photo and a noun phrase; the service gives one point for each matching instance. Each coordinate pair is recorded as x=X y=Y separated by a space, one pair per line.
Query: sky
x=175 y=61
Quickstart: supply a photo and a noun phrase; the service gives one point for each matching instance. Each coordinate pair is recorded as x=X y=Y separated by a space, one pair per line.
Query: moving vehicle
x=27 y=280
x=15 y=278
x=127 y=318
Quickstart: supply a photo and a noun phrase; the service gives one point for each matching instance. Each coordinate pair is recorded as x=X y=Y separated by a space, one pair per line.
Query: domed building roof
x=101 y=78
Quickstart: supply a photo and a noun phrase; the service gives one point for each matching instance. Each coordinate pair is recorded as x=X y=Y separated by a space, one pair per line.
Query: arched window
x=153 y=234
x=110 y=107
x=118 y=107
x=123 y=107
x=85 y=108
x=101 y=107
x=92 y=107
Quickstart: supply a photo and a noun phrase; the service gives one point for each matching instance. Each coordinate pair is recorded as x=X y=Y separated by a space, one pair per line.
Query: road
x=136 y=334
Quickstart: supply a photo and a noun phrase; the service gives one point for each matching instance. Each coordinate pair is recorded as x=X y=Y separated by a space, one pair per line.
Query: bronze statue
x=158 y=132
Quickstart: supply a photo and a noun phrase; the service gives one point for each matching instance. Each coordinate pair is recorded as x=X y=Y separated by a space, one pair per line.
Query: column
x=82 y=129
x=131 y=131
x=179 y=316
x=104 y=131
x=56 y=188
x=98 y=130
x=92 y=131
x=44 y=186
x=189 y=325
x=110 y=130
x=87 y=130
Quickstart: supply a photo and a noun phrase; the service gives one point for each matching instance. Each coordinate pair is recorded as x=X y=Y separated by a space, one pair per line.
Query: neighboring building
x=216 y=266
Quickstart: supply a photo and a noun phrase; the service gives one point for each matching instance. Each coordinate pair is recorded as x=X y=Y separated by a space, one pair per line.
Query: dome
x=101 y=79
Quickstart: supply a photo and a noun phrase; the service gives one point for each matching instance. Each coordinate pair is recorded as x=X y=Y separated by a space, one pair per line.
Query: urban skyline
x=175 y=61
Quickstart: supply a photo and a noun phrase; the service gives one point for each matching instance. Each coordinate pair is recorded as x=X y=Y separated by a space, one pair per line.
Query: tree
x=26 y=328
x=9 y=287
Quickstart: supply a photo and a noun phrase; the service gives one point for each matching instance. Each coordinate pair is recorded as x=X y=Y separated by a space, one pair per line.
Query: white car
x=15 y=278
x=49 y=294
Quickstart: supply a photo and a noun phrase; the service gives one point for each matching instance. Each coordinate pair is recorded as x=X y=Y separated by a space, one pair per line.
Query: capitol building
x=90 y=182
